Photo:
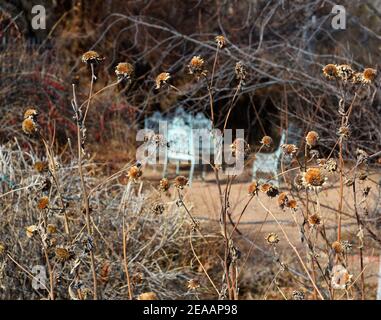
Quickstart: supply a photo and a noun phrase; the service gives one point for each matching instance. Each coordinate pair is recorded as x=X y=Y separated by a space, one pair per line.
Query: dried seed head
x=51 y=228
x=267 y=141
x=253 y=188
x=40 y=166
x=221 y=41
x=314 y=177
x=63 y=254
x=345 y=72
x=240 y=71
x=125 y=70
x=289 y=149
x=330 y=71
x=31 y=231
x=193 y=284
x=312 y=139
x=30 y=113
x=340 y=277
x=134 y=173
x=164 y=184
x=292 y=204
x=43 y=203
x=180 y=182
x=29 y=126
x=329 y=165
x=282 y=200
x=298 y=295
x=148 y=296
x=272 y=238
x=344 y=132
x=158 y=208
x=196 y=67
x=3 y=249
x=369 y=75
x=314 y=219
x=337 y=246
x=162 y=79
x=91 y=57
x=240 y=147
x=269 y=189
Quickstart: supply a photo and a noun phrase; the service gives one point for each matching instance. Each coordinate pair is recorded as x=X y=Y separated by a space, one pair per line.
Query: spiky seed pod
x=267 y=141
x=164 y=184
x=134 y=173
x=314 y=220
x=43 y=203
x=314 y=177
x=193 y=284
x=282 y=200
x=337 y=247
x=289 y=149
x=240 y=72
x=30 y=113
x=345 y=72
x=330 y=71
x=29 y=126
x=196 y=67
x=369 y=75
x=253 y=188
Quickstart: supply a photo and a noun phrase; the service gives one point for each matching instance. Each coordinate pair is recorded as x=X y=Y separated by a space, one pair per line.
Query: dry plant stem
x=210 y=100
x=51 y=275
x=201 y=265
x=361 y=245
x=214 y=66
x=231 y=105
x=85 y=198
x=125 y=240
x=293 y=248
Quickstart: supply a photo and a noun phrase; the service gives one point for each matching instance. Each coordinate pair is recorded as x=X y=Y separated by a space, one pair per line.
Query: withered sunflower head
x=314 y=219
x=29 y=126
x=282 y=200
x=63 y=254
x=134 y=173
x=289 y=149
x=345 y=72
x=269 y=189
x=267 y=141
x=148 y=296
x=369 y=75
x=253 y=188
x=196 y=67
x=314 y=177
x=164 y=184
x=43 y=203
x=30 y=113
x=193 y=284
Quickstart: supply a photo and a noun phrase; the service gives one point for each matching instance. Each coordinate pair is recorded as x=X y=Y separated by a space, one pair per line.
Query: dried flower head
x=253 y=188
x=3 y=249
x=240 y=148
x=267 y=141
x=337 y=247
x=340 y=277
x=43 y=203
x=330 y=71
x=40 y=166
x=162 y=79
x=30 y=113
x=240 y=72
x=91 y=57
x=158 y=208
x=221 y=41
x=196 y=67
x=269 y=189
x=134 y=173
x=51 y=228
x=362 y=155
x=369 y=75
x=312 y=138
x=148 y=296
x=272 y=238
x=298 y=295
x=125 y=70
x=31 y=231
x=329 y=165
x=345 y=72
x=180 y=182
x=193 y=284
x=63 y=254
x=164 y=184
x=344 y=132
x=29 y=126
x=314 y=219
x=289 y=149
x=292 y=204
x=282 y=200
x=314 y=177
